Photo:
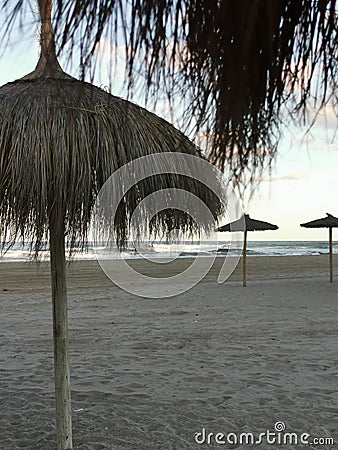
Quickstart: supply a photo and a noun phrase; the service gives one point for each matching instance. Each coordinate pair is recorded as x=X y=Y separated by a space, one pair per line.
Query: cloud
x=326 y=117
x=110 y=60
x=323 y=135
x=293 y=176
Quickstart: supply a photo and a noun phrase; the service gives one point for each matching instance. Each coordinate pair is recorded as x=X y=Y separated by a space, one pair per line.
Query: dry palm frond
x=234 y=63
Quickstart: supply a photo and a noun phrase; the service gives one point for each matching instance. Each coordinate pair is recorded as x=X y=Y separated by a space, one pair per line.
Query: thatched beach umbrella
x=326 y=222
x=60 y=140
x=246 y=224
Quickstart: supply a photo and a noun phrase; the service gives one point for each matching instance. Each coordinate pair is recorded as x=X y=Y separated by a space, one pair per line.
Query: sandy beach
x=150 y=373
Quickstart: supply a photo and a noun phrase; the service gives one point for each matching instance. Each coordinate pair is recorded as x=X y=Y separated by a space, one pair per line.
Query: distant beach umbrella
x=245 y=224
x=60 y=140
x=326 y=222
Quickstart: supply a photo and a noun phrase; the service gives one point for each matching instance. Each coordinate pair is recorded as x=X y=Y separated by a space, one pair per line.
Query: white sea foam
x=186 y=249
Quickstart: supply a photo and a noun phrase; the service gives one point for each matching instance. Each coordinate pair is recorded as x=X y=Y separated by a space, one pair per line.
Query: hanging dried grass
x=60 y=140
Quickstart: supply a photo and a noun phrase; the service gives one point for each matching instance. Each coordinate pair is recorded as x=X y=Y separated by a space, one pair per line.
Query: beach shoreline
x=33 y=275
x=150 y=373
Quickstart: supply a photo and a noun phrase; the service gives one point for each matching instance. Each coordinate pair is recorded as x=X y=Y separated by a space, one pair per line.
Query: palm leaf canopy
x=245 y=223
x=326 y=222
x=231 y=64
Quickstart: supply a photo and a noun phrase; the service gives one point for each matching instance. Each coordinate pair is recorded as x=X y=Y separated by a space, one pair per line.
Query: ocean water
x=187 y=249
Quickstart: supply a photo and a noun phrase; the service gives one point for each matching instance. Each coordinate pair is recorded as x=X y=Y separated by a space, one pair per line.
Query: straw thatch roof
x=232 y=64
x=245 y=223
x=60 y=139
x=326 y=222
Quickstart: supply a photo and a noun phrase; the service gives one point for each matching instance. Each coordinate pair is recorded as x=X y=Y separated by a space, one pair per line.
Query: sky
x=302 y=185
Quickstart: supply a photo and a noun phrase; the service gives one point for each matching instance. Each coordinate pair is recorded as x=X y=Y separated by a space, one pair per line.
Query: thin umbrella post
x=326 y=222
x=60 y=334
x=244 y=258
x=330 y=252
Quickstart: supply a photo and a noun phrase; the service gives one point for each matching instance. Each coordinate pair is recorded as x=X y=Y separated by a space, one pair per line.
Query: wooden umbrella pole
x=46 y=38
x=331 y=266
x=48 y=65
x=60 y=332
x=244 y=258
